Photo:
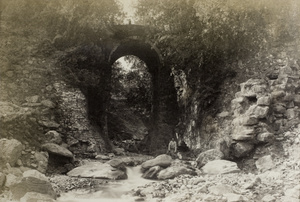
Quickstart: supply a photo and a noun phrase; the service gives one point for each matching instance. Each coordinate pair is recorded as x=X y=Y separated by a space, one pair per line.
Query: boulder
x=297 y=100
x=9 y=112
x=10 y=152
x=48 y=103
x=57 y=150
x=220 y=167
x=265 y=137
x=41 y=159
x=34 y=174
x=243 y=133
x=174 y=171
x=32 y=99
x=265 y=163
x=242 y=149
x=98 y=170
x=290 y=114
x=119 y=151
x=117 y=163
x=32 y=182
x=48 y=124
x=102 y=157
x=259 y=112
x=279 y=108
x=11 y=180
x=161 y=160
x=152 y=172
x=36 y=197
x=209 y=155
x=278 y=94
x=264 y=101
x=250 y=121
x=223 y=114
x=53 y=137
x=252 y=87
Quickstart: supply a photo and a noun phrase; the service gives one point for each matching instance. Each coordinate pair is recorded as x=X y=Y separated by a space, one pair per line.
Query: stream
x=114 y=190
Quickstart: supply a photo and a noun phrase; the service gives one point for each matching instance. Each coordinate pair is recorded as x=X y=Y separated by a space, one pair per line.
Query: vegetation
x=201 y=37
x=74 y=21
x=133 y=84
x=204 y=31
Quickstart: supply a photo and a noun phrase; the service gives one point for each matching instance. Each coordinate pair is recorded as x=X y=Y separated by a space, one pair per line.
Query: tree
x=133 y=84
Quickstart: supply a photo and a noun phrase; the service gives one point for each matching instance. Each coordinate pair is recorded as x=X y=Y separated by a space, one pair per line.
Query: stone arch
x=143 y=50
x=164 y=105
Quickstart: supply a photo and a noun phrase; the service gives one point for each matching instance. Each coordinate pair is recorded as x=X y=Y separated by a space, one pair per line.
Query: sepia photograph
x=149 y=100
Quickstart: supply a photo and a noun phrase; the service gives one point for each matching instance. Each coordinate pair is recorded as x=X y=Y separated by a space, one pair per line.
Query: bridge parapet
x=127 y=31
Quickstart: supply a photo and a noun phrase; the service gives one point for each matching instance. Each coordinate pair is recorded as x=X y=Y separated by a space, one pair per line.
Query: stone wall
x=35 y=100
x=80 y=135
x=249 y=111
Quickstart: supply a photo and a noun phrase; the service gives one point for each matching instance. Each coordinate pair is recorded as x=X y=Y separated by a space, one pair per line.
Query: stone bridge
x=131 y=40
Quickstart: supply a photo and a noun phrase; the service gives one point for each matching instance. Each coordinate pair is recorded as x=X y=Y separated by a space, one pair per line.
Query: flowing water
x=112 y=191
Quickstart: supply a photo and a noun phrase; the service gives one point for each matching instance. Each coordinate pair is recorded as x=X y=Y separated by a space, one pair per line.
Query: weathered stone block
x=41 y=160
x=152 y=172
x=288 y=97
x=57 y=150
x=265 y=137
x=243 y=137
x=290 y=105
x=277 y=94
x=174 y=171
x=290 y=114
x=32 y=184
x=98 y=170
x=48 y=103
x=161 y=160
x=32 y=99
x=279 y=108
x=53 y=136
x=11 y=180
x=265 y=163
x=250 y=121
x=264 y=101
x=10 y=152
x=252 y=87
x=242 y=149
x=297 y=100
x=220 y=167
x=258 y=111
x=209 y=155
x=223 y=114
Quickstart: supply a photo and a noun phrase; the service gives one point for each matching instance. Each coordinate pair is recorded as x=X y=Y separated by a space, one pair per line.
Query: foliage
x=201 y=37
x=82 y=67
x=76 y=21
x=205 y=32
x=133 y=84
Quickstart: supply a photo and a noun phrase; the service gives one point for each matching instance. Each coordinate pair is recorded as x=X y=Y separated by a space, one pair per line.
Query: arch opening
x=130 y=102
x=161 y=109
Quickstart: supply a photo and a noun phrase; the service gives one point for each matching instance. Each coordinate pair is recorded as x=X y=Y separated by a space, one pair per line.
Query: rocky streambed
x=275 y=178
